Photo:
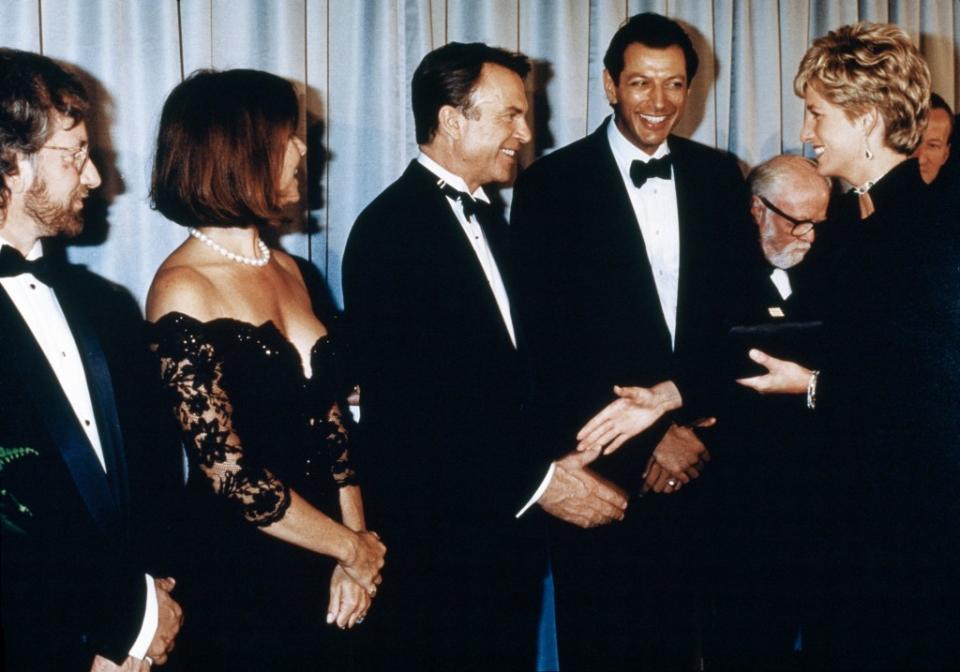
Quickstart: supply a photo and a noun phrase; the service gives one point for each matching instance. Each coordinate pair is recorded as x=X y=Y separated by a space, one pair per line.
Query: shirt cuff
x=542 y=489
x=151 y=619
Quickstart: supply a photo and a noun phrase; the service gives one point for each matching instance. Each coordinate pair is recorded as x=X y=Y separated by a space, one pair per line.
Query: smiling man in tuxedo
x=79 y=423
x=440 y=357
x=622 y=244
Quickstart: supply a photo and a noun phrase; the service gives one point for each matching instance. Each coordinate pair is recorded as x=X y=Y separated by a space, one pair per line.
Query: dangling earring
x=867 y=153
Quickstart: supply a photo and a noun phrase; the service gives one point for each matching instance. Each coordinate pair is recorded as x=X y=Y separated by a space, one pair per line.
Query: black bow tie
x=12 y=263
x=640 y=172
x=470 y=205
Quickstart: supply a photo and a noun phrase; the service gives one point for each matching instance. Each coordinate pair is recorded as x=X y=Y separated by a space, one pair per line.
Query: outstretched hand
x=782 y=377
x=635 y=411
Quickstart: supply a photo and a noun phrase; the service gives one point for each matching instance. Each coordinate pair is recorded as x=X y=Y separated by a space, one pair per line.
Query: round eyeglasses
x=78 y=155
x=801 y=227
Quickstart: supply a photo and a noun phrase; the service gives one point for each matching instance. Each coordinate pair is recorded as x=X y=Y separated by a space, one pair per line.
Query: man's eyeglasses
x=801 y=227
x=78 y=155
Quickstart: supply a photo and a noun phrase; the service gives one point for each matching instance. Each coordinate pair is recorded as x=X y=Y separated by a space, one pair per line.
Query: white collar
x=454 y=181
x=626 y=152
x=35 y=252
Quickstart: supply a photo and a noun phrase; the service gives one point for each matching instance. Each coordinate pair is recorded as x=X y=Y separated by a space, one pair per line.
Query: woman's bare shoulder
x=180 y=286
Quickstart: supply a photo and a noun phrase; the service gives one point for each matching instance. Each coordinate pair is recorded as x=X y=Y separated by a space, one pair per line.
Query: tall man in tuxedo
x=439 y=356
x=621 y=243
x=78 y=422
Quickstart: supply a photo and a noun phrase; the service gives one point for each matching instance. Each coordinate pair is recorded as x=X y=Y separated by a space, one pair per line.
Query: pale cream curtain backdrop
x=352 y=61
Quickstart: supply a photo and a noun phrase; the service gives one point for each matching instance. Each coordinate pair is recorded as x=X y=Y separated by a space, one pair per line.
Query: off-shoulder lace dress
x=254 y=428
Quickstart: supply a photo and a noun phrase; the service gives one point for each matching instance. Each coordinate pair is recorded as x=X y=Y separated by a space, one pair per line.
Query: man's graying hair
x=767 y=178
x=448 y=75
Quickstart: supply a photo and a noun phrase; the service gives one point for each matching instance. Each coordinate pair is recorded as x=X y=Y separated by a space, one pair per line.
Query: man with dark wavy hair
x=622 y=241
x=79 y=423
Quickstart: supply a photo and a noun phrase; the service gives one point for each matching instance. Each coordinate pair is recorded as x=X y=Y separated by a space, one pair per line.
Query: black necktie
x=640 y=172
x=12 y=263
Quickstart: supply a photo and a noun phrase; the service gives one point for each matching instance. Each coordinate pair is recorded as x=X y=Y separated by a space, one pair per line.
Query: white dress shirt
x=655 y=205
x=781 y=281
x=471 y=228
x=38 y=305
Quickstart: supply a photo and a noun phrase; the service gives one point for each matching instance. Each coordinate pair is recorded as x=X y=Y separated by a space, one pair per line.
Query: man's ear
x=756 y=208
x=449 y=119
x=609 y=87
x=23 y=179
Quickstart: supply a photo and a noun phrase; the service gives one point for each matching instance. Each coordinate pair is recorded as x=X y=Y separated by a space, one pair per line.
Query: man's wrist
x=667 y=396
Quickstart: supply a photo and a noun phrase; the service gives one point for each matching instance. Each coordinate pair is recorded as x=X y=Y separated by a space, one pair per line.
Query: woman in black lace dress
x=274 y=543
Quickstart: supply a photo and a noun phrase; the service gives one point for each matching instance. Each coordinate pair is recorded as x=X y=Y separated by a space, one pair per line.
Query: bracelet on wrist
x=812 y=390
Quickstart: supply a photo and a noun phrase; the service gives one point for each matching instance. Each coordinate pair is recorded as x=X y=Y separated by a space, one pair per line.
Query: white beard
x=784 y=257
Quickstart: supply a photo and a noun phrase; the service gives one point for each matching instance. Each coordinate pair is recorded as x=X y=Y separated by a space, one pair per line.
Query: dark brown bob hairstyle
x=220 y=149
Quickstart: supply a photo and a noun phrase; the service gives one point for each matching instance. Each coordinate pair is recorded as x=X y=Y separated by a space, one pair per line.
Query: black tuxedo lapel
x=60 y=423
x=452 y=243
x=100 y=385
x=618 y=228
x=688 y=211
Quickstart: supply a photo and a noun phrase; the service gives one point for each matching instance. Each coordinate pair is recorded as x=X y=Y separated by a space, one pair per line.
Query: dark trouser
x=627 y=592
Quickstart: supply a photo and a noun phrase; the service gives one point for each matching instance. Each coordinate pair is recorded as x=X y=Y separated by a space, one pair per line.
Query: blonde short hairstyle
x=866 y=65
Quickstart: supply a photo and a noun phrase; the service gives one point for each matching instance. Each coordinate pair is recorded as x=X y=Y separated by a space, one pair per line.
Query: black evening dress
x=255 y=428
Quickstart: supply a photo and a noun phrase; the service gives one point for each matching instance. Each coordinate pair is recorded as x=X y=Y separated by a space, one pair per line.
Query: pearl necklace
x=260 y=261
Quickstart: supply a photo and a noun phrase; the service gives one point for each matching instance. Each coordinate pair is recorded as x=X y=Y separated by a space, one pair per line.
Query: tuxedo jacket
x=73 y=575
x=440 y=455
x=587 y=296
x=441 y=382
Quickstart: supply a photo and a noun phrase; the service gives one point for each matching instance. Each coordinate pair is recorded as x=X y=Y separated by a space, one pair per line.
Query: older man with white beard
x=788 y=200
x=765 y=513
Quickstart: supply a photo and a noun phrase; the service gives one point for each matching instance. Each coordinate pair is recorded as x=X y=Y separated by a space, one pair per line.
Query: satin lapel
x=453 y=243
x=60 y=423
x=684 y=177
x=100 y=385
x=621 y=231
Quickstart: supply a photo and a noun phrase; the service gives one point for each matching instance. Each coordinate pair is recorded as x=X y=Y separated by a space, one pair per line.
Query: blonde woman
x=888 y=389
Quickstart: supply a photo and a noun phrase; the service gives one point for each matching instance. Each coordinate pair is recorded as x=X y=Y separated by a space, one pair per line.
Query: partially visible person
x=888 y=387
x=273 y=541
x=788 y=200
x=80 y=427
x=625 y=246
x=933 y=152
x=428 y=295
x=765 y=513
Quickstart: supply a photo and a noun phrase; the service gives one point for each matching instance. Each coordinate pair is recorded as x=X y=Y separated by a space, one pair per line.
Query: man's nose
x=90 y=176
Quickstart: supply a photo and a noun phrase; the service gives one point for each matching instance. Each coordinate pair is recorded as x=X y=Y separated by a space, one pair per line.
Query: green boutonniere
x=10 y=506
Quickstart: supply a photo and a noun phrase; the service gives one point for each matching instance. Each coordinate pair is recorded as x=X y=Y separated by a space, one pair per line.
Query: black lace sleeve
x=337 y=441
x=191 y=368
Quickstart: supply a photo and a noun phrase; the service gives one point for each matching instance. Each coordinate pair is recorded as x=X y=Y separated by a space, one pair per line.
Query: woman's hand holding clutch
x=782 y=377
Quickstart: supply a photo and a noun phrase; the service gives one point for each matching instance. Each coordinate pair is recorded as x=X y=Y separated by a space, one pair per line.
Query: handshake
x=579 y=496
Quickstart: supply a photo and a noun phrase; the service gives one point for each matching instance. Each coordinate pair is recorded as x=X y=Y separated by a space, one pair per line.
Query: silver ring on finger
x=672 y=482
x=148 y=660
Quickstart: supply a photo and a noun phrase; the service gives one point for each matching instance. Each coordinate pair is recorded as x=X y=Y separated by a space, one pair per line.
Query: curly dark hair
x=32 y=89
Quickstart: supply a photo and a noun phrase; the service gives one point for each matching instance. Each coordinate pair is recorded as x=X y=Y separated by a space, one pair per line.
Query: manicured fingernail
x=329 y=617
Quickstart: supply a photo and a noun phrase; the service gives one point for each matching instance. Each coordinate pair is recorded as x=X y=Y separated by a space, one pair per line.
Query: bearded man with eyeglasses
x=85 y=458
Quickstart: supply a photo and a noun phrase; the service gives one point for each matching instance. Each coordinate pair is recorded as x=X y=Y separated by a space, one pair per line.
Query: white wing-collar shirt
x=38 y=305
x=655 y=205
x=471 y=228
